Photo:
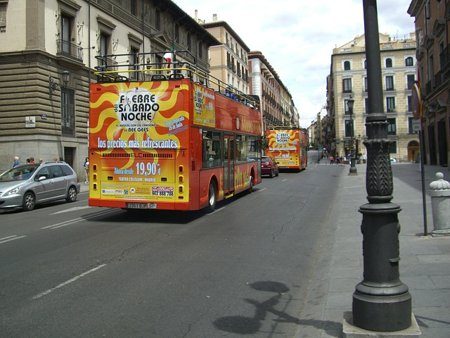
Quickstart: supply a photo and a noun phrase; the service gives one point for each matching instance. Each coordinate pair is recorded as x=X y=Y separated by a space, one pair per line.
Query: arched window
x=409 y=61
x=388 y=63
x=347 y=65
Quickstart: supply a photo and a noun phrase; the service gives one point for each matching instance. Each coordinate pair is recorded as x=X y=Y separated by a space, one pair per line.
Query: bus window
x=212 y=149
x=253 y=147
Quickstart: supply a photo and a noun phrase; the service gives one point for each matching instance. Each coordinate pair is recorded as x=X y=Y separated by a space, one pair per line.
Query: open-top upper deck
x=164 y=66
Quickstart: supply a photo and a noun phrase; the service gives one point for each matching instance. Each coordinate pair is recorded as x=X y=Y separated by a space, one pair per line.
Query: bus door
x=228 y=164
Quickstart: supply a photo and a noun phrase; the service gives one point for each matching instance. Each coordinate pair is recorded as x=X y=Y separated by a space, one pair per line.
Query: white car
x=26 y=185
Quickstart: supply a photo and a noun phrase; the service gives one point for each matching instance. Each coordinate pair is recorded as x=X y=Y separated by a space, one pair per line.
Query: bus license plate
x=141 y=205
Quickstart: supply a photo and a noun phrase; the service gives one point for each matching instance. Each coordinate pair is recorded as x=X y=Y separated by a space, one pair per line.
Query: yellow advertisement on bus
x=287 y=147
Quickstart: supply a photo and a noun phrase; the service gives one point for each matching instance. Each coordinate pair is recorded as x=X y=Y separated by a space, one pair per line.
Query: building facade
x=229 y=60
x=277 y=105
x=432 y=21
x=348 y=82
x=48 y=54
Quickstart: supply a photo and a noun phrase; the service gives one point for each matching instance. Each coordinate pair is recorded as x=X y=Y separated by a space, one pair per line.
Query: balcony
x=71 y=50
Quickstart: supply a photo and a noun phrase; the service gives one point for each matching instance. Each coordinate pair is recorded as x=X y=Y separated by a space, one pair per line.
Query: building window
x=392 y=147
x=388 y=63
x=157 y=19
x=409 y=61
x=409 y=103
x=134 y=63
x=410 y=78
x=389 y=82
x=391 y=128
x=66 y=33
x=390 y=104
x=411 y=125
x=443 y=55
x=366 y=105
x=347 y=85
x=189 y=42
x=3 y=7
x=133 y=7
x=67 y=112
x=347 y=65
x=349 y=128
x=366 y=88
x=200 y=50
x=365 y=64
x=346 y=110
x=177 y=33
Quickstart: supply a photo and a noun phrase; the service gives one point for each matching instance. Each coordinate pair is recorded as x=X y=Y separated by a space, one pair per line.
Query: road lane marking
x=10 y=238
x=284 y=180
x=71 y=209
x=42 y=294
x=259 y=190
x=78 y=219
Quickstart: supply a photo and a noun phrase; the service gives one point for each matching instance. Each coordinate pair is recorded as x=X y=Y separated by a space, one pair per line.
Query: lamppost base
x=382 y=313
x=349 y=330
x=353 y=171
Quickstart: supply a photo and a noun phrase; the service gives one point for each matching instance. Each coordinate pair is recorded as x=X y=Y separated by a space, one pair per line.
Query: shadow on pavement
x=252 y=325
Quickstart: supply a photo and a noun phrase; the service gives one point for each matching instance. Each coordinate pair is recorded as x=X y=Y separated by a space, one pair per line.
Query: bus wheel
x=212 y=199
x=250 y=189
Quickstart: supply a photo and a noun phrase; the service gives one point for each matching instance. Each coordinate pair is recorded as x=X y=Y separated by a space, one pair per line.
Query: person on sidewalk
x=16 y=161
x=86 y=169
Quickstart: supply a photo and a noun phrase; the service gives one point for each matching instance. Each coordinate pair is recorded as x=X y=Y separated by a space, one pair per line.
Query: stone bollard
x=440 y=204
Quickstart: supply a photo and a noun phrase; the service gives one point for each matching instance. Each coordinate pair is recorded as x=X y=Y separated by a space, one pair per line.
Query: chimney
x=214 y=17
x=196 y=15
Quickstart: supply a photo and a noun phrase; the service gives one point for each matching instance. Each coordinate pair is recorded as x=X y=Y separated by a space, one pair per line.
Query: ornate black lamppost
x=381 y=302
x=353 y=171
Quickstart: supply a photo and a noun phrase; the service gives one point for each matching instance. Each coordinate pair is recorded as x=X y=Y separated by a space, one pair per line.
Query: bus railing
x=153 y=67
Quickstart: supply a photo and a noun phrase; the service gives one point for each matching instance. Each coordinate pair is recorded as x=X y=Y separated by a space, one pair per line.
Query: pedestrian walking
x=16 y=161
x=86 y=169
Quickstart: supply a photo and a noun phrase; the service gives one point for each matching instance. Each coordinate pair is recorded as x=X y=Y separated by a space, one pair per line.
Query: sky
x=297 y=37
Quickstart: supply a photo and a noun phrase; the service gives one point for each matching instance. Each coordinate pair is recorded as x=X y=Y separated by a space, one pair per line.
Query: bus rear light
x=94 y=186
x=163 y=179
x=180 y=197
x=180 y=179
x=94 y=177
x=94 y=167
x=180 y=169
x=110 y=178
x=180 y=189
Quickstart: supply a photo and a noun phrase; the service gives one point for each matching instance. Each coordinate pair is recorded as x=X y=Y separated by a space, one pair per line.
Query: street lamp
x=53 y=85
x=381 y=302
x=352 y=171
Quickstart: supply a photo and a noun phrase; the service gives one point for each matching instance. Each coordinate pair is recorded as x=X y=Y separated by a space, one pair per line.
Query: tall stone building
x=48 y=53
x=348 y=81
x=432 y=21
x=233 y=63
x=277 y=105
x=229 y=60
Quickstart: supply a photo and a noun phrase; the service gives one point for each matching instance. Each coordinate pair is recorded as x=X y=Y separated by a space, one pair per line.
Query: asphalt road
x=68 y=270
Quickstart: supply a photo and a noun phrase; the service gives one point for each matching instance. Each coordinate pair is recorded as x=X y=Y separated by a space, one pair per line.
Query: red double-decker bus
x=169 y=138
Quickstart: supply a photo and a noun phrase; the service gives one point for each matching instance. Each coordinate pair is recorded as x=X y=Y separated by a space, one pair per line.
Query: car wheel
x=271 y=173
x=278 y=173
x=29 y=201
x=71 y=194
x=212 y=199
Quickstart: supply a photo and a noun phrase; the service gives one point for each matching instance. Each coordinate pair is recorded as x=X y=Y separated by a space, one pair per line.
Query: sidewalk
x=424 y=265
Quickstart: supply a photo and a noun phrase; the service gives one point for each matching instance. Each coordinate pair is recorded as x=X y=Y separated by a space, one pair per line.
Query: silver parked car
x=26 y=185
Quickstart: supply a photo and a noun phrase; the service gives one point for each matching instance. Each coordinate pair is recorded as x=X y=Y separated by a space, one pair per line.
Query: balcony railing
x=69 y=49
